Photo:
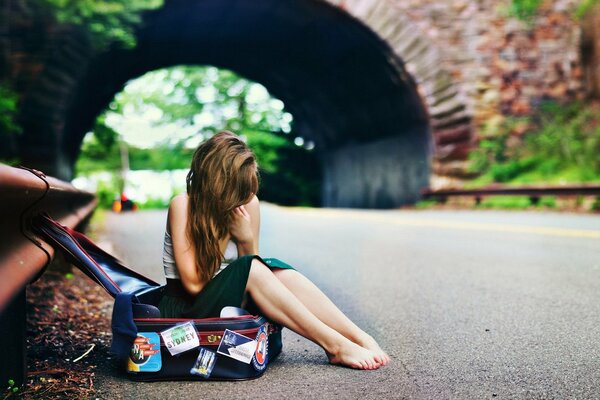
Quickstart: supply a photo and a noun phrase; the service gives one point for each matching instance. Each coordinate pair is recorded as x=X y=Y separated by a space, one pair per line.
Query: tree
x=108 y=21
x=9 y=128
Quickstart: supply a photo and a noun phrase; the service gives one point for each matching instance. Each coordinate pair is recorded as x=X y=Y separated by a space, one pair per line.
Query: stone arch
x=344 y=81
x=450 y=110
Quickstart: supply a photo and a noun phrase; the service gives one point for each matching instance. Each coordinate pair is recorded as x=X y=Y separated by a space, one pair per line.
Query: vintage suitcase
x=235 y=346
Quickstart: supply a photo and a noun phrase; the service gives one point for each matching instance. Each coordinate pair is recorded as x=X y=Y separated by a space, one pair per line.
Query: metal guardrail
x=25 y=193
x=533 y=192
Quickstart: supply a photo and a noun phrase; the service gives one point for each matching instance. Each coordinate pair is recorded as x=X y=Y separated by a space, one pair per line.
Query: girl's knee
x=260 y=276
x=285 y=275
x=258 y=269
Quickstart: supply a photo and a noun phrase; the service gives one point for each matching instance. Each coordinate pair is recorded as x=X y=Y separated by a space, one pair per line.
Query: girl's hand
x=240 y=226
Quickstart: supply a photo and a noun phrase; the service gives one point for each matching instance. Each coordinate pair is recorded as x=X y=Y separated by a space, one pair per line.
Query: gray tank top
x=231 y=254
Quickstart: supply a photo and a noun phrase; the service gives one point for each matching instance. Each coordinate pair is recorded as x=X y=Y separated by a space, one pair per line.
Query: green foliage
x=203 y=101
x=107 y=193
x=495 y=202
x=12 y=390
x=99 y=151
x=152 y=203
x=524 y=9
x=8 y=111
x=95 y=158
x=584 y=7
x=506 y=202
x=527 y=9
x=208 y=98
x=109 y=21
x=547 y=202
x=9 y=128
x=424 y=204
x=509 y=170
x=161 y=158
x=565 y=148
x=494 y=147
x=517 y=202
x=569 y=137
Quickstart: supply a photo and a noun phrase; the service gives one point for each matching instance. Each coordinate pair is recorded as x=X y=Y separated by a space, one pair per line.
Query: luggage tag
x=204 y=363
x=145 y=353
x=180 y=338
x=237 y=346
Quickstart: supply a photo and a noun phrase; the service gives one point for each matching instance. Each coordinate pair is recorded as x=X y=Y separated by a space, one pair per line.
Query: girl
x=210 y=259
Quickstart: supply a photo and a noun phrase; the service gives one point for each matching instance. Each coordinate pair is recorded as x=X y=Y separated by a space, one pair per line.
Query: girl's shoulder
x=179 y=202
x=178 y=209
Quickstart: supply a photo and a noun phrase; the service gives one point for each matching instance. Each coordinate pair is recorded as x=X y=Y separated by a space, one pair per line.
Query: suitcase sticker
x=259 y=361
x=180 y=338
x=237 y=346
x=204 y=363
x=145 y=353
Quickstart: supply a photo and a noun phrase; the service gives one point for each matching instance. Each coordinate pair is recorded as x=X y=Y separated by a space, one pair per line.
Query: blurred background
x=346 y=103
x=362 y=104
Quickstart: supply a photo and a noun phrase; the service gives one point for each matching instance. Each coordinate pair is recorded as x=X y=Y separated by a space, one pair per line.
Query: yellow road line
x=477 y=226
x=398 y=219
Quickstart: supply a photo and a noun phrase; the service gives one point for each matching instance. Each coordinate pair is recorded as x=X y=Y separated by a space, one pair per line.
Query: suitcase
x=235 y=346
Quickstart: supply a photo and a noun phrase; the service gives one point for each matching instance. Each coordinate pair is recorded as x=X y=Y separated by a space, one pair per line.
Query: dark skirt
x=228 y=288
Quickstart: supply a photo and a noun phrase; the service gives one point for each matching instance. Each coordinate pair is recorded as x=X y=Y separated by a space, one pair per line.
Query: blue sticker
x=145 y=353
x=259 y=361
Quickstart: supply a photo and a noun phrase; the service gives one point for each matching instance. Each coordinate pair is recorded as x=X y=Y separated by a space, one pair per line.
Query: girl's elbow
x=193 y=288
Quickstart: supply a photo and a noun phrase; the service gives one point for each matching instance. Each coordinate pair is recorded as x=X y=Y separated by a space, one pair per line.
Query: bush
x=153 y=204
x=562 y=146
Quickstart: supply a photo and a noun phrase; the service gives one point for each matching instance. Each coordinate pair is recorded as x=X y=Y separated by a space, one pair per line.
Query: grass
x=572 y=203
x=557 y=145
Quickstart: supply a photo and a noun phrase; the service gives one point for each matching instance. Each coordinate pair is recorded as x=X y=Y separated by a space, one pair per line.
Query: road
x=497 y=305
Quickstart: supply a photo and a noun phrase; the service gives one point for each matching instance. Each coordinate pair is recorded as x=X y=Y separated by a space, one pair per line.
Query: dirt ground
x=68 y=335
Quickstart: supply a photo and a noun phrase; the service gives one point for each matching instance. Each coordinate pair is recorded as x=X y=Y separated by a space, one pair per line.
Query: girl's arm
x=185 y=259
x=245 y=227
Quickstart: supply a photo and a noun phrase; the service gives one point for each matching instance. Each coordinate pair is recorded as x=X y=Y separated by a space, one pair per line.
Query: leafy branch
x=108 y=21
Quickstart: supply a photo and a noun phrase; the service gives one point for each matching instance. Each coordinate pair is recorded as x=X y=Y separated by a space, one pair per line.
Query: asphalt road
x=470 y=305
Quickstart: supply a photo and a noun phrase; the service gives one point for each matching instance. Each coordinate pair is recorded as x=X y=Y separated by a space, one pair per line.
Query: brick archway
x=346 y=84
x=449 y=108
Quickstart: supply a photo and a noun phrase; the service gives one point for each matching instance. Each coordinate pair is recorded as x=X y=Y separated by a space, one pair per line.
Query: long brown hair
x=223 y=176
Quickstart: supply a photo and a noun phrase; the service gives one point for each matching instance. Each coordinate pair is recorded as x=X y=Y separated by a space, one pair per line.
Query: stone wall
x=498 y=65
x=590 y=48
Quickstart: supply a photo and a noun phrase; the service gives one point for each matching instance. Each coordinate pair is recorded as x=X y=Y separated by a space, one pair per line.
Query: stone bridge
x=394 y=93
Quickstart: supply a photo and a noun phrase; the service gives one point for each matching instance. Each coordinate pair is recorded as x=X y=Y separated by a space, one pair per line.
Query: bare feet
x=370 y=344
x=352 y=355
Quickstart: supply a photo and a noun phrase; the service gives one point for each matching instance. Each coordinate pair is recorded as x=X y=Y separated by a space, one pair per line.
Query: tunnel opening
x=140 y=147
x=348 y=91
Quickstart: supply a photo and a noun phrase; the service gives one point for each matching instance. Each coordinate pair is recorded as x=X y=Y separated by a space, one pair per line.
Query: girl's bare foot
x=352 y=355
x=370 y=344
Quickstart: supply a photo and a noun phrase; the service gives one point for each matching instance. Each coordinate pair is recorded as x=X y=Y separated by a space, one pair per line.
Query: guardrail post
x=12 y=338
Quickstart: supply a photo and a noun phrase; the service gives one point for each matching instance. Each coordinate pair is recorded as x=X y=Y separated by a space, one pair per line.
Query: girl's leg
x=280 y=305
x=324 y=309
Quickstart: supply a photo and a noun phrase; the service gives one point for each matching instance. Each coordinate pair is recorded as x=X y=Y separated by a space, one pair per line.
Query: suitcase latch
x=213 y=338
